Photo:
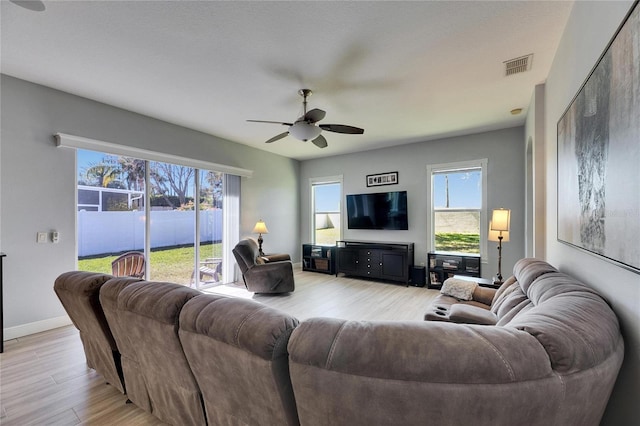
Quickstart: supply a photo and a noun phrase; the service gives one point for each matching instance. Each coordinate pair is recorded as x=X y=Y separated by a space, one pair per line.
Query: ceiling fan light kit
x=305 y=128
x=304 y=131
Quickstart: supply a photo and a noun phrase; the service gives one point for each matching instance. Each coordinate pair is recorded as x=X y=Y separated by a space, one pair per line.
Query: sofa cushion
x=498 y=295
x=244 y=343
x=527 y=270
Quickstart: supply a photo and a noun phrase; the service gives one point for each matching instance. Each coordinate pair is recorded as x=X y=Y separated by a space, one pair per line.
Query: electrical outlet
x=55 y=236
x=41 y=237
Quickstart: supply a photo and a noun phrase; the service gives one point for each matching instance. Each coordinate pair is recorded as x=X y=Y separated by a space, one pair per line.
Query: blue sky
x=464 y=189
x=85 y=158
x=327 y=198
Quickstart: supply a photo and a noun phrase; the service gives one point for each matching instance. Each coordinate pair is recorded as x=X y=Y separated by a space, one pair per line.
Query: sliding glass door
x=180 y=231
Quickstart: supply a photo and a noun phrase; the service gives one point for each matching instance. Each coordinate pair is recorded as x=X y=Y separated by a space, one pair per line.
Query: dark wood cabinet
x=378 y=260
x=319 y=258
x=443 y=265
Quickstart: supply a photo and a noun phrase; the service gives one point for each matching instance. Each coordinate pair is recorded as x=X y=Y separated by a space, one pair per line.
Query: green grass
x=464 y=243
x=172 y=265
x=327 y=236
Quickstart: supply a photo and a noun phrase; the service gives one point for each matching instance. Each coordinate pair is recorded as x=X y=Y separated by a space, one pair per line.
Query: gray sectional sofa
x=551 y=358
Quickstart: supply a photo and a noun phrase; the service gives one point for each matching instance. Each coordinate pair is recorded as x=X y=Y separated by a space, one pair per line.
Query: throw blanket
x=460 y=289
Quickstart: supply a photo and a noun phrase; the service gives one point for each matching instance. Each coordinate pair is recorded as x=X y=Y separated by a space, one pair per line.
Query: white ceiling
x=403 y=71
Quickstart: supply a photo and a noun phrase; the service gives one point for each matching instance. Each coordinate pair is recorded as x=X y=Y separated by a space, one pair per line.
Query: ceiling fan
x=305 y=128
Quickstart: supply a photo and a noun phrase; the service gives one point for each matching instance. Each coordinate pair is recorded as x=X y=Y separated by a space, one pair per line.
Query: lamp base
x=260 y=252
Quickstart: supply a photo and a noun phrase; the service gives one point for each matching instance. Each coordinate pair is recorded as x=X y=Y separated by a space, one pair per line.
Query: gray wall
x=506 y=183
x=589 y=29
x=37 y=185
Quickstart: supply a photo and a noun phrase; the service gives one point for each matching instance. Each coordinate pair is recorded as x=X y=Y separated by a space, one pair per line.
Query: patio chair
x=130 y=264
x=211 y=267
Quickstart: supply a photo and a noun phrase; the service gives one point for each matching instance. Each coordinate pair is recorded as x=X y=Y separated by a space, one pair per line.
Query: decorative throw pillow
x=460 y=289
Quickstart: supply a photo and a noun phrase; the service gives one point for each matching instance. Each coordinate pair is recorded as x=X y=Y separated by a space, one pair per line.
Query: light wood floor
x=44 y=379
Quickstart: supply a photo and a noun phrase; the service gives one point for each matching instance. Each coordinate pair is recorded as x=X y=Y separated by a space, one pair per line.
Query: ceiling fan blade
x=278 y=137
x=341 y=128
x=272 y=122
x=320 y=142
x=314 y=115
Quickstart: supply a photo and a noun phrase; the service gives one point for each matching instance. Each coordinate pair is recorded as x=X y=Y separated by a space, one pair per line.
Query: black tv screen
x=383 y=210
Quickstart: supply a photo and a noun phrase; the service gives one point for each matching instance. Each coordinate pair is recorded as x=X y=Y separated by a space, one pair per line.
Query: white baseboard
x=35 y=327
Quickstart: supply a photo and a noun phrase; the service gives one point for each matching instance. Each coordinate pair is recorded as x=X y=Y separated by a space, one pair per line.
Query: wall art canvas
x=599 y=155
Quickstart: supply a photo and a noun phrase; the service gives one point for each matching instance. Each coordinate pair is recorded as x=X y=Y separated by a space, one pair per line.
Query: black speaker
x=418 y=276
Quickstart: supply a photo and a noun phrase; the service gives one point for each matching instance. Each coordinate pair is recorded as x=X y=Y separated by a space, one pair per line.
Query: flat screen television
x=382 y=210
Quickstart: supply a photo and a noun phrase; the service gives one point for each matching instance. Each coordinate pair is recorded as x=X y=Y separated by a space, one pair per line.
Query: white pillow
x=460 y=289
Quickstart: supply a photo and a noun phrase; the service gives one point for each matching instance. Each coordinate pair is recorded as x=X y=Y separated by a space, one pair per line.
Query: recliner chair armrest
x=469 y=314
x=268 y=258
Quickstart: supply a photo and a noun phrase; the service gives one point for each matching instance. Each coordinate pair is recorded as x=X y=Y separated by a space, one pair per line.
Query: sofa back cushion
x=527 y=270
x=237 y=349
x=79 y=293
x=151 y=311
x=135 y=385
x=398 y=372
x=246 y=253
x=574 y=324
x=571 y=321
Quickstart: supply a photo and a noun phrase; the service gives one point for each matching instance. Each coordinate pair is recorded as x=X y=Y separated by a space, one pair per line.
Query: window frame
x=458 y=166
x=327 y=180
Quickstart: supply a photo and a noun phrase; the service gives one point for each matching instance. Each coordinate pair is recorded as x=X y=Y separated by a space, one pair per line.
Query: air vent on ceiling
x=517 y=65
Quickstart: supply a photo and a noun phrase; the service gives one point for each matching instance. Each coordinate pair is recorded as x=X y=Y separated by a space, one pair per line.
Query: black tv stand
x=390 y=261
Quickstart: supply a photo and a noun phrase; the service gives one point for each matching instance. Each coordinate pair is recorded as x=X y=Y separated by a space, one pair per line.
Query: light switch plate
x=41 y=237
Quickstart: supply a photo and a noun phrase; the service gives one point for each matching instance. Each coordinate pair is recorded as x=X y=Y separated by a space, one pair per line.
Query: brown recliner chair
x=136 y=387
x=79 y=294
x=263 y=274
x=237 y=350
x=151 y=311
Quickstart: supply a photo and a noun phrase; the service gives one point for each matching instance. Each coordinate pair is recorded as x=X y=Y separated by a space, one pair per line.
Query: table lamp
x=260 y=229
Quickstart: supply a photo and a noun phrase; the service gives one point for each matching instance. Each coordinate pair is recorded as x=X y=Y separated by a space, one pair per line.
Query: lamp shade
x=500 y=220
x=493 y=235
x=260 y=228
x=304 y=131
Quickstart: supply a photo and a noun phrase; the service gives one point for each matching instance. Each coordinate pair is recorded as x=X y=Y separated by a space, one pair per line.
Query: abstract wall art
x=599 y=154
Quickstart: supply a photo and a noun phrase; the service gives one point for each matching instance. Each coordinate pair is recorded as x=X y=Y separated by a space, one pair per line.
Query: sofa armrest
x=484 y=295
x=469 y=314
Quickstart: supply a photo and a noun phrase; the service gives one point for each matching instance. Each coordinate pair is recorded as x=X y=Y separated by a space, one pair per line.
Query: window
x=326 y=220
x=180 y=233
x=457 y=200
